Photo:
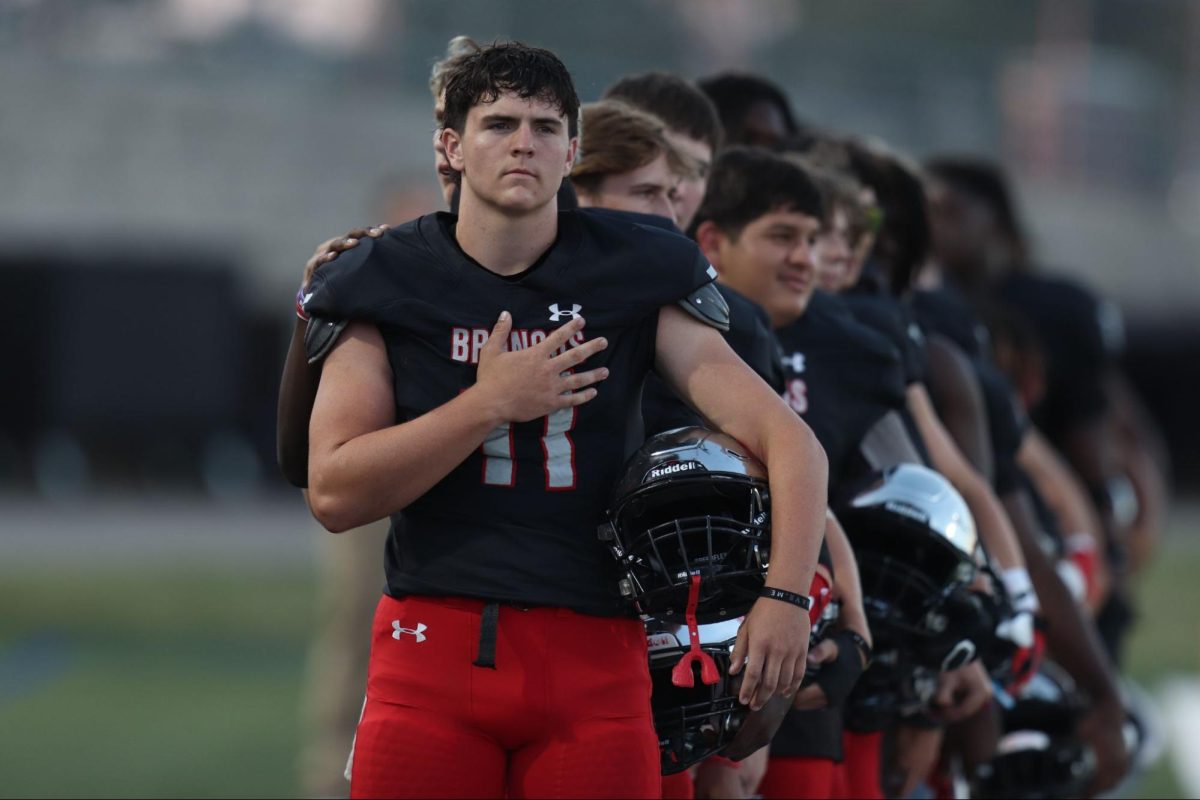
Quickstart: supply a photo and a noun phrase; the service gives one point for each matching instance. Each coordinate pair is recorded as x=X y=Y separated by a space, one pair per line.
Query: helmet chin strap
x=682 y=675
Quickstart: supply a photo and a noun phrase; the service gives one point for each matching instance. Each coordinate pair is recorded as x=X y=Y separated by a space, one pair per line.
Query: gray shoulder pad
x=708 y=305
x=320 y=336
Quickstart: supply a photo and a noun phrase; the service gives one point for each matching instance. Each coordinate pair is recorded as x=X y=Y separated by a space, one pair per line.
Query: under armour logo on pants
x=418 y=632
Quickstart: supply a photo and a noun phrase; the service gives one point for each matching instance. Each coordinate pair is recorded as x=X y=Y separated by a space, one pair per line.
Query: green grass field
x=185 y=682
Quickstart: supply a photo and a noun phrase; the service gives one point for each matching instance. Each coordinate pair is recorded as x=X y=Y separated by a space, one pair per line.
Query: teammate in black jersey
x=1085 y=406
x=751 y=228
x=499 y=468
x=692 y=127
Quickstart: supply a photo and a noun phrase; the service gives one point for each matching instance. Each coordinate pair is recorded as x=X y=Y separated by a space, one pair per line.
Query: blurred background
x=169 y=165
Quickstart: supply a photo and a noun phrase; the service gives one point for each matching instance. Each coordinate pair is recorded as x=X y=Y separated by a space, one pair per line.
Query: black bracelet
x=802 y=600
x=861 y=644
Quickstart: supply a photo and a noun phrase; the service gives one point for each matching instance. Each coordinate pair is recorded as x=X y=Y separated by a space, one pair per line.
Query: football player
x=1069 y=633
x=1085 y=406
x=626 y=163
x=692 y=127
x=753 y=110
x=758 y=224
x=509 y=433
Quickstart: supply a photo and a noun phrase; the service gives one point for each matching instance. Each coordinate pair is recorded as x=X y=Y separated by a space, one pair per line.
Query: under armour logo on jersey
x=556 y=313
x=418 y=632
x=795 y=362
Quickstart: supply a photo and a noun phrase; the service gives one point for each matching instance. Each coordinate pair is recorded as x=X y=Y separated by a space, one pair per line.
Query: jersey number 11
x=558 y=453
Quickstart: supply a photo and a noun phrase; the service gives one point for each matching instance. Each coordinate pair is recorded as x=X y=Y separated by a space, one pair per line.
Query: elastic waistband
x=476 y=605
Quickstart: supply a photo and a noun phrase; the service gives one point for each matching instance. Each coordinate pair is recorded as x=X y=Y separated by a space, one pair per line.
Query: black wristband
x=837 y=678
x=802 y=600
x=864 y=649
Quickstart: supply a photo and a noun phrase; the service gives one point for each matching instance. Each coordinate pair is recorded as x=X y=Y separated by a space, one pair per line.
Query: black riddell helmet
x=692 y=503
x=697 y=721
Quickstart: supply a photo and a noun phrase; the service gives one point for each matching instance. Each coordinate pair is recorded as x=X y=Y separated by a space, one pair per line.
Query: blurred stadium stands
x=168 y=167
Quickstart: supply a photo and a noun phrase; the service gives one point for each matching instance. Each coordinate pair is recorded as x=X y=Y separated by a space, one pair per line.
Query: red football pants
x=860 y=773
x=678 y=786
x=564 y=713
x=809 y=778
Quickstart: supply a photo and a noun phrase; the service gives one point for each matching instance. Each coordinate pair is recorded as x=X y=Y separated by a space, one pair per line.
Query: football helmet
x=692 y=507
x=693 y=721
x=917 y=552
x=1040 y=755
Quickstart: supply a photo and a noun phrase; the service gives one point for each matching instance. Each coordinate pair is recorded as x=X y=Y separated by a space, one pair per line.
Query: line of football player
x=993 y=483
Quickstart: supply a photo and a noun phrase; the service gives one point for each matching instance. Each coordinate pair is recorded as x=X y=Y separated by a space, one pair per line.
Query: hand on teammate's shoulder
x=329 y=249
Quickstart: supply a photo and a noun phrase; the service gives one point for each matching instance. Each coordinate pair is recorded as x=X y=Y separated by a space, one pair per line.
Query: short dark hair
x=733 y=93
x=528 y=72
x=749 y=182
x=985 y=181
x=675 y=100
x=619 y=138
x=904 y=239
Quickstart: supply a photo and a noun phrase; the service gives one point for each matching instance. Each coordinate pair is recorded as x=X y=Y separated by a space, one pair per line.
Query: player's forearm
x=995 y=528
x=1070 y=638
x=798 y=473
x=1150 y=487
x=959 y=400
x=1068 y=502
x=847 y=586
x=382 y=472
x=1060 y=487
x=297 y=391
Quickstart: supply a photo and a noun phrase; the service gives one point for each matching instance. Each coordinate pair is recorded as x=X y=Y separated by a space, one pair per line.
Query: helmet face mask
x=692 y=502
x=1040 y=754
x=916 y=547
x=695 y=722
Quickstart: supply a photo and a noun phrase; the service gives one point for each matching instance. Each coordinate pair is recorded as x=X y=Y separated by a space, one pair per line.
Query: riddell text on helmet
x=671 y=469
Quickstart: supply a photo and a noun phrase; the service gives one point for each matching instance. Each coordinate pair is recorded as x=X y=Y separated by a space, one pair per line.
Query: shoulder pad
x=707 y=305
x=320 y=336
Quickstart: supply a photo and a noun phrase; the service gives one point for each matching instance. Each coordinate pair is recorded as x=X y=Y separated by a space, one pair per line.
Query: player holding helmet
x=504 y=454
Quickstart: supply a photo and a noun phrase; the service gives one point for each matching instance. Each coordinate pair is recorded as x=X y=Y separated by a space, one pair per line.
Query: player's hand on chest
x=539 y=379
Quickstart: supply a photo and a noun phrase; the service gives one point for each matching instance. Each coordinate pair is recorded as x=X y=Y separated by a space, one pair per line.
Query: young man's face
x=964 y=230
x=646 y=190
x=689 y=192
x=770 y=262
x=833 y=255
x=513 y=153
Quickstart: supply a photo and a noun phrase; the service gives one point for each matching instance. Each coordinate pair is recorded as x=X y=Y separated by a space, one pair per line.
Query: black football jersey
x=892 y=319
x=749 y=336
x=841 y=378
x=1080 y=338
x=948 y=313
x=517 y=520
